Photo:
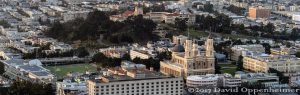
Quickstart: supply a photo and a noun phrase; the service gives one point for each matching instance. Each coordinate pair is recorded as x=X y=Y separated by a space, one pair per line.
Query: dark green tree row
x=28 y=88
x=79 y=52
x=156 y=8
x=103 y=61
x=222 y=24
x=236 y=10
x=133 y=29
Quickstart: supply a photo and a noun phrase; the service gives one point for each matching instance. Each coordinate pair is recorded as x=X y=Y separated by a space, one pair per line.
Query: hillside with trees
x=133 y=29
x=28 y=88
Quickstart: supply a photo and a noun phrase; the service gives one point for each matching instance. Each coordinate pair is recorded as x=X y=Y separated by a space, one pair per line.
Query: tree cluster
x=156 y=8
x=206 y=7
x=297 y=54
x=4 y=23
x=267 y=48
x=282 y=78
x=133 y=29
x=240 y=63
x=28 y=88
x=103 y=61
x=79 y=52
x=181 y=24
x=2 y=70
x=221 y=23
x=236 y=10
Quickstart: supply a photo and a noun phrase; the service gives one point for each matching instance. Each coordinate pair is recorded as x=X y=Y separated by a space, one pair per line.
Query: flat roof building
x=134 y=79
x=259 y=12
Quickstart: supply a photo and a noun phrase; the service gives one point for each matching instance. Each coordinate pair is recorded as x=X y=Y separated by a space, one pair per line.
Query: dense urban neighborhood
x=149 y=47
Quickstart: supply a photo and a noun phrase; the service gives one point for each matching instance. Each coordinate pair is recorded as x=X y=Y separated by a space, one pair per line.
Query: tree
x=240 y=64
x=4 y=23
x=295 y=34
x=148 y=62
x=98 y=57
x=103 y=61
x=126 y=57
x=208 y=7
x=133 y=29
x=2 y=68
x=269 y=28
x=164 y=55
x=236 y=10
x=298 y=54
x=30 y=88
x=82 y=52
x=181 y=24
x=282 y=78
x=267 y=48
x=217 y=67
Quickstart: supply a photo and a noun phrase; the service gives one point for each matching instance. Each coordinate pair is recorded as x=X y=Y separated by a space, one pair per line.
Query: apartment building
x=242 y=50
x=134 y=79
x=259 y=12
x=262 y=62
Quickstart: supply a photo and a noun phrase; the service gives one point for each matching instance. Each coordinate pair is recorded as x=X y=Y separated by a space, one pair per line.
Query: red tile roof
x=128 y=13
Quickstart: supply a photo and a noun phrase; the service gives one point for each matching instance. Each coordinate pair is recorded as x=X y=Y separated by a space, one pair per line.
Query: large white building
x=263 y=62
x=27 y=70
x=134 y=79
x=296 y=18
x=142 y=52
x=242 y=50
x=202 y=81
x=213 y=80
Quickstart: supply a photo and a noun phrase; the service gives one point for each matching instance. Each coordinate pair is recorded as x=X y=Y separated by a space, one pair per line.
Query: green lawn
x=228 y=68
x=226 y=65
x=195 y=33
x=63 y=70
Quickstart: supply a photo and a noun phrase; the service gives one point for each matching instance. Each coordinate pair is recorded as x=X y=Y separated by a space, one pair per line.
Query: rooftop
x=41 y=73
x=125 y=73
x=210 y=77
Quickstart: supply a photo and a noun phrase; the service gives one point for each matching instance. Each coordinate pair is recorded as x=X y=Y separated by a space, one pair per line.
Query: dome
x=178 y=48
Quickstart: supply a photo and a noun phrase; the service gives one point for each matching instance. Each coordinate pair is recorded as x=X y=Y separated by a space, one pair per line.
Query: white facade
x=262 y=62
x=134 y=79
x=296 y=17
x=213 y=80
x=139 y=54
x=164 y=86
x=242 y=50
x=202 y=81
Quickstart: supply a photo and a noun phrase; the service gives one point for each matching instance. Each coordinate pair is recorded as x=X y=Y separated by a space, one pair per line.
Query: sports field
x=63 y=70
